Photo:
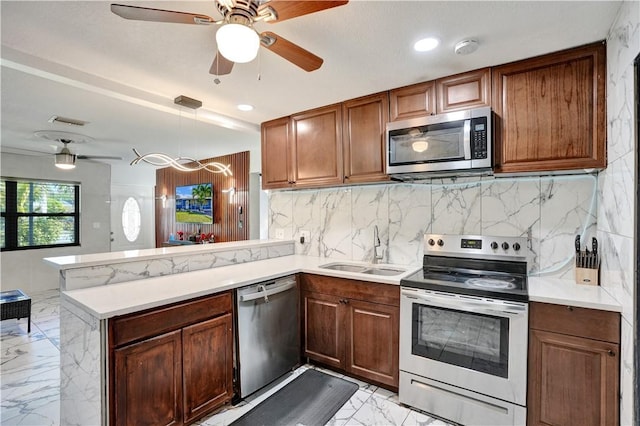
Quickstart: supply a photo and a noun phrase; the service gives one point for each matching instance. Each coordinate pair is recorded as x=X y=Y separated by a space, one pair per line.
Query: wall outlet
x=279 y=233
x=305 y=236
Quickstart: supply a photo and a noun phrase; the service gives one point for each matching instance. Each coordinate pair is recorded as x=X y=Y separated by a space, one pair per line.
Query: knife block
x=587 y=276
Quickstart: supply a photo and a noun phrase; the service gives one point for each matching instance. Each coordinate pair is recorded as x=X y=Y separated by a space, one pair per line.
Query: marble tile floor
x=30 y=380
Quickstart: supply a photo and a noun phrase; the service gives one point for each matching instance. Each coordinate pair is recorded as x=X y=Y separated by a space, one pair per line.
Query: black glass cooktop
x=494 y=279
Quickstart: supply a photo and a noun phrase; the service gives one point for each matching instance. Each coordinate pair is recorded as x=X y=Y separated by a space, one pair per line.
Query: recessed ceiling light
x=426 y=44
x=245 y=107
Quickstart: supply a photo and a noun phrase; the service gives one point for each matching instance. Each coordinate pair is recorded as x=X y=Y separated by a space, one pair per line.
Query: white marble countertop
x=567 y=292
x=84 y=260
x=117 y=299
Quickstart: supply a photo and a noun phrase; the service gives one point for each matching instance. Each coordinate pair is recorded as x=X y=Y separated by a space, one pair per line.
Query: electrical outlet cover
x=280 y=233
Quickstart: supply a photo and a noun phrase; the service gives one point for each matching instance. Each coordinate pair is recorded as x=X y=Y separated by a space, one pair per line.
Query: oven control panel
x=476 y=245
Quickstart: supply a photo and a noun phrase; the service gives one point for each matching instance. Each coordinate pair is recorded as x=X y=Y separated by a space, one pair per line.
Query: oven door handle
x=482 y=307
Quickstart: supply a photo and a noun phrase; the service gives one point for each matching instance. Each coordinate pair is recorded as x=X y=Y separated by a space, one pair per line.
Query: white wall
x=25 y=269
x=617 y=186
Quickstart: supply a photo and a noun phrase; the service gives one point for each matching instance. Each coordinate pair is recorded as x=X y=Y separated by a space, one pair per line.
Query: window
x=39 y=214
x=131 y=219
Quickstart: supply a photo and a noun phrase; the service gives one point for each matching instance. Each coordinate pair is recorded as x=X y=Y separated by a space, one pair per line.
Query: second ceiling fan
x=237 y=40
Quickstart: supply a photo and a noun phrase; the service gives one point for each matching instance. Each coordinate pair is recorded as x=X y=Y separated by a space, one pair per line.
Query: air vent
x=67 y=121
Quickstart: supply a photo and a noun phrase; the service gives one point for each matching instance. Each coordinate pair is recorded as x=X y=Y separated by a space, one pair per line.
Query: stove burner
x=490 y=283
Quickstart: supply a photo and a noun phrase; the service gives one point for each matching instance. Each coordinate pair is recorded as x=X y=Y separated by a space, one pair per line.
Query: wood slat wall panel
x=226 y=214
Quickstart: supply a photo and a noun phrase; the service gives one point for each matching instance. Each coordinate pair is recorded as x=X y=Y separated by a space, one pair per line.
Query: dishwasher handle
x=262 y=294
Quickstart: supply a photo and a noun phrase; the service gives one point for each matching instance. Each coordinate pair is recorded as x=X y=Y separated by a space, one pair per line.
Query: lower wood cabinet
x=352 y=326
x=574 y=366
x=171 y=365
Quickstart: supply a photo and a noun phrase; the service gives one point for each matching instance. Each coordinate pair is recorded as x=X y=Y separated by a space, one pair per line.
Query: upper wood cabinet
x=317 y=147
x=304 y=150
x=574 y=366
x=364 y=122
x=276 y=154
x=550 y=112
x=461 y=91
x=412 y=101
x=341 y=143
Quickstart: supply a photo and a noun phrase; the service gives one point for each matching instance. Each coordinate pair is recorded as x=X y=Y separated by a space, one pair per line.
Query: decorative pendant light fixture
x=183 y=164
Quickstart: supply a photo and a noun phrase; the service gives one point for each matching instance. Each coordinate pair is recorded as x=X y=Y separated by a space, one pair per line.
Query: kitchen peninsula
x=86 y=311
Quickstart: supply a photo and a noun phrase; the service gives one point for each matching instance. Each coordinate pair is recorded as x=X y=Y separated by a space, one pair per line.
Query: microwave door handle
x=468 y=305
x=467 y=139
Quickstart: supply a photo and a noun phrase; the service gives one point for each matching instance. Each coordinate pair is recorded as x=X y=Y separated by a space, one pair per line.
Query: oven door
x=466 y=341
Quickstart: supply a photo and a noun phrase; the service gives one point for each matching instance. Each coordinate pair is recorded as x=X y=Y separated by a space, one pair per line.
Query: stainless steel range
x=463 y=330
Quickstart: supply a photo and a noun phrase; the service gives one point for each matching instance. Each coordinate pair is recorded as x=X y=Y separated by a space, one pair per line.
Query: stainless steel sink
x=384 y=271
x=364 y=269
x=347 y=267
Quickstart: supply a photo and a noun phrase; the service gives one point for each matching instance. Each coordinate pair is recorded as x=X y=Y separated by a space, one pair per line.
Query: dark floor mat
x=311 y=399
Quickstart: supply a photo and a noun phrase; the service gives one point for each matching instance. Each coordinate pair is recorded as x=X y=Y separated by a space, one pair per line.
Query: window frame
x=11 y=215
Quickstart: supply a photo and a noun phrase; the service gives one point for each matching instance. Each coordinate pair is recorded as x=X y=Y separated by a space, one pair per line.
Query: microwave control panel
x=479 y=138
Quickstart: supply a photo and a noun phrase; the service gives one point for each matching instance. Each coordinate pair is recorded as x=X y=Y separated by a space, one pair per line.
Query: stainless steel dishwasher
x=268 y=332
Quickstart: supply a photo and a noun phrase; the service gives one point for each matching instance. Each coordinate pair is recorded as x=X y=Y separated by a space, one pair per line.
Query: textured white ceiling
x=77 y=59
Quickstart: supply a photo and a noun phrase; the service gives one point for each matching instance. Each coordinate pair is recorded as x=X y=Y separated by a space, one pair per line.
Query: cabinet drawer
x=574 y=321
x=351 y=289
x=140 y=325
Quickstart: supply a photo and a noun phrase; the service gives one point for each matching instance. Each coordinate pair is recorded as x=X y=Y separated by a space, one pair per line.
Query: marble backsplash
x=549 y=210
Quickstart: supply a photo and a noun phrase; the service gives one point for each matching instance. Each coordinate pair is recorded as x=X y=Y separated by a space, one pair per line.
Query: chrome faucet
x=376 y=244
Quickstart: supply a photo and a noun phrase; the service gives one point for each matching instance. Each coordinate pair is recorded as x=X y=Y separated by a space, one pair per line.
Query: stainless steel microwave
x=458 y=142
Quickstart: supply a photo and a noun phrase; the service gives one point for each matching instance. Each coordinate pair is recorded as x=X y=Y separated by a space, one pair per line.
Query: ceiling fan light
x=238 y=43
x=65 y=161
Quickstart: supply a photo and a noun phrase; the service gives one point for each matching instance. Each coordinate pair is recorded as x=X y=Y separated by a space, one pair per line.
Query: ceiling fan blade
x=221 y=65
x=159 y=15
x=287 y=9
x=290 y=51
x=98 y=157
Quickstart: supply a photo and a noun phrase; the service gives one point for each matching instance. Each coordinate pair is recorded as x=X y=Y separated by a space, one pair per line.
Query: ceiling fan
x=237 y=40
x=65 y=159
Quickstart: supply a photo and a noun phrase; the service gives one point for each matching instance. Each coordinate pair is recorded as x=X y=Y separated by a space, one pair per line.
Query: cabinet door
x=372 y=341
x=207 y=355
x=572 y=380
x=276 y=154
x=148 y=382
x=323 y=329
x=463 y=91
x=412 y=101
x=550 y=112
x=317 y=147
x=364 y=126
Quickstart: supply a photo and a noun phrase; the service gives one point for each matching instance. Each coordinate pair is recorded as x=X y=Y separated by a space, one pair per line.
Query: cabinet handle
x=570 y=308
x=611 y=353
x=346 y=177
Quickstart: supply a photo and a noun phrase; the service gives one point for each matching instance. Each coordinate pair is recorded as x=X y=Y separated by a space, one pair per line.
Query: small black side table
x=15 y=304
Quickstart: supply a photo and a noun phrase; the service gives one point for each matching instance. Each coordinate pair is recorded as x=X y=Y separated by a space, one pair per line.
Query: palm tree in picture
x=201 y=193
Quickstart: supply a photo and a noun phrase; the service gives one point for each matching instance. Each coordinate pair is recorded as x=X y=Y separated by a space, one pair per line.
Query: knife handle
x=594 y=246
x=577 y=243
